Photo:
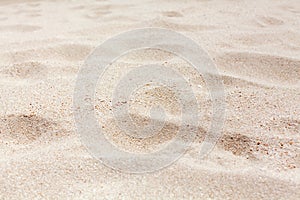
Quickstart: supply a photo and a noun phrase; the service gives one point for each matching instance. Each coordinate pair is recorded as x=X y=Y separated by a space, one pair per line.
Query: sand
x=255 y=46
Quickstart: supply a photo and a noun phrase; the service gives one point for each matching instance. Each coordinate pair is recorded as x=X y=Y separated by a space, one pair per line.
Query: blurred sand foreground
x=256 y=47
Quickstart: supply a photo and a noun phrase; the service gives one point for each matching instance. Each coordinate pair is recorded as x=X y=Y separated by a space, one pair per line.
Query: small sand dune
x=22 y=129
x=26 y=70
x=260 y=68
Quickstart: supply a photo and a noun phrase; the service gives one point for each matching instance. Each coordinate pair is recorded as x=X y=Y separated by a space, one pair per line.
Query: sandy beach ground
x=254 y=44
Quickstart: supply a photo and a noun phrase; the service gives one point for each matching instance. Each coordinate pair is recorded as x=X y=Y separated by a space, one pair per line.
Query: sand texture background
x=255 y=46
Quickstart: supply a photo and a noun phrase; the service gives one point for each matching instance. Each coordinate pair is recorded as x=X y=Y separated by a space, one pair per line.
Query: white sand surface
x=255 y=46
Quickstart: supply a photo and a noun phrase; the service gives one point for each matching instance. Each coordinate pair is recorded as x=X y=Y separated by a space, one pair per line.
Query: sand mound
x=261 y=68
x=164 y=23
x=22 y=129
x=27 y=70
x=64 y=52
x=19 y=28
x=238 y=144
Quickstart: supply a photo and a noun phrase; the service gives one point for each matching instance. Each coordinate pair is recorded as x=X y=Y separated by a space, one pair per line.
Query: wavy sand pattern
x=255 y=46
